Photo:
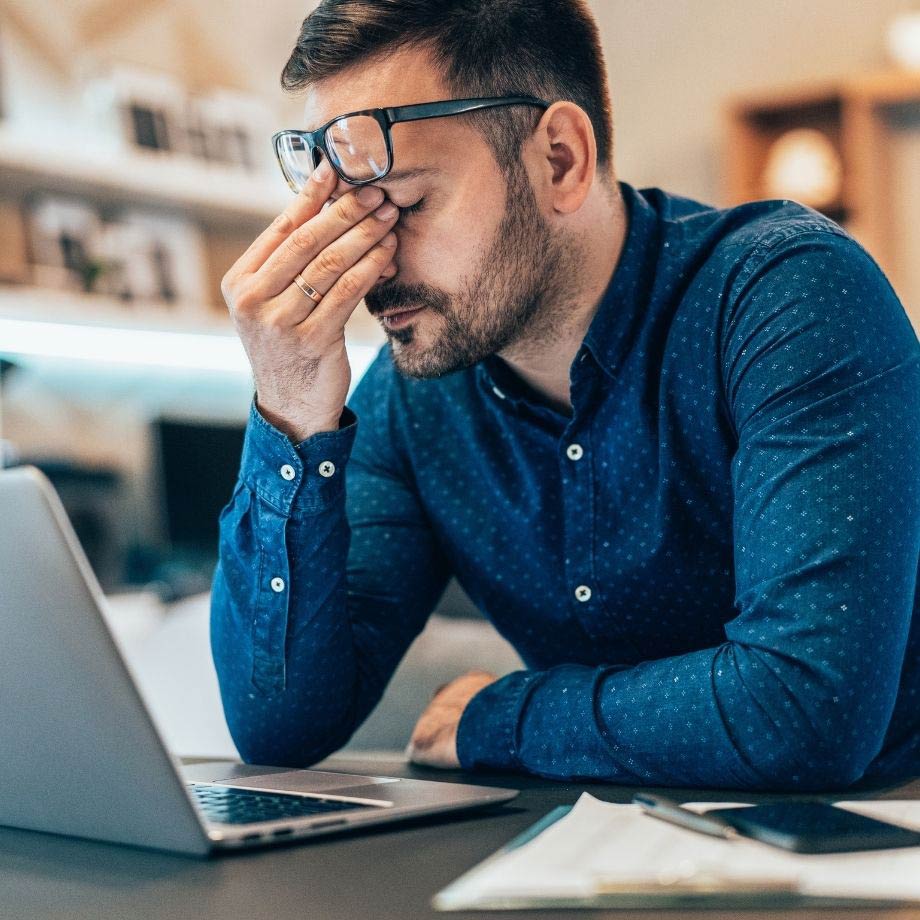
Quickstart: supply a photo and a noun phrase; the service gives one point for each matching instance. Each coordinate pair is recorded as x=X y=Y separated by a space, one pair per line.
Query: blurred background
x=135 y=167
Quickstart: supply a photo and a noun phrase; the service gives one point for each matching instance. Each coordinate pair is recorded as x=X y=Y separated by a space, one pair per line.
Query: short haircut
x=545 y=48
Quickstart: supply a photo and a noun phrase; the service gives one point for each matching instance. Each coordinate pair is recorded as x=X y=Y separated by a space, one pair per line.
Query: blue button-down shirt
x=709 y=568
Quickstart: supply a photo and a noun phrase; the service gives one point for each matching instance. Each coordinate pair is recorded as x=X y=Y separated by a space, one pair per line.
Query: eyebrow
x=403 y=175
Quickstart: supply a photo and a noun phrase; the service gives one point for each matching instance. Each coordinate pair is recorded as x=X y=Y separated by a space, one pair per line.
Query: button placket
x=578 y=501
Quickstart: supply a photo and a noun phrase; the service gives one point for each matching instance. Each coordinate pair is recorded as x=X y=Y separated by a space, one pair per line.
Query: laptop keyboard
x=225 y=805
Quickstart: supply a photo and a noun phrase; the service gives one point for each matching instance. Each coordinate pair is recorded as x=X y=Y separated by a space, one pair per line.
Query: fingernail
x=386 y=211
x=321 y=173
x=389 y=240
x=370 y=195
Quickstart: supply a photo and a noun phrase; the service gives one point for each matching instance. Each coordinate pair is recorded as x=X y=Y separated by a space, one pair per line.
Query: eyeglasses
x=359 y=145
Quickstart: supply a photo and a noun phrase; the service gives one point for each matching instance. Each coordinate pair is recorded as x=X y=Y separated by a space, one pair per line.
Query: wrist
x=297 y=431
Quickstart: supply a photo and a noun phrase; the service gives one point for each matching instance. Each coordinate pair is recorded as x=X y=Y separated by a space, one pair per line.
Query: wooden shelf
x=64 y=308
x=853 y=112
x=211 y=194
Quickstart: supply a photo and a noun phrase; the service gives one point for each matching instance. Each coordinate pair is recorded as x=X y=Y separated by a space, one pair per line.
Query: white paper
x=600 y=843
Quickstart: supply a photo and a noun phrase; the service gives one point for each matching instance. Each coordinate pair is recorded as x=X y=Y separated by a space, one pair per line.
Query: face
x=475 y=252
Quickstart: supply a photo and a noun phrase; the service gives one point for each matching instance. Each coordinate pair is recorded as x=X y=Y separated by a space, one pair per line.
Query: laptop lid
x=80 y=752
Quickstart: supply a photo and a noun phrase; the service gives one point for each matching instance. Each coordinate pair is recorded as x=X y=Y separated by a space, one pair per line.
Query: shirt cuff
x=487 y=731
x=310 y=473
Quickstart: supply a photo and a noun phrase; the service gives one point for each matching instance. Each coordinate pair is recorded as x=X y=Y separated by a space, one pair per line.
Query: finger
x=324 y=248
x=342 y=188
x=331 y=314
x=307 y=204
x=387 y=273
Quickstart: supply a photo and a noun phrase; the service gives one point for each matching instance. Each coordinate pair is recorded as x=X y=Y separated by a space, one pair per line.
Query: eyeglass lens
x=356 y=145
x=296 y=159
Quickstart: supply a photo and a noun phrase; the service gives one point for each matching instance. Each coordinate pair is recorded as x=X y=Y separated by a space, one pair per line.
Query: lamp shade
x=803 y=164
x=904 y=40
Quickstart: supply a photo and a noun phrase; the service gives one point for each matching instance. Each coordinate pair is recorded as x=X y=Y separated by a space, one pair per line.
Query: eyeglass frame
x=386 y=118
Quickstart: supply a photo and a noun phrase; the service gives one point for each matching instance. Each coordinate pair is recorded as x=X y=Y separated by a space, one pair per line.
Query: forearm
x=288 y=682
x=729 y=717
x=279 y=629
x=310 y=618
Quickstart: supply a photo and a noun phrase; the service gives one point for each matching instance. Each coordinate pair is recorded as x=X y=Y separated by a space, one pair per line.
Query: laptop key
x=228 y=805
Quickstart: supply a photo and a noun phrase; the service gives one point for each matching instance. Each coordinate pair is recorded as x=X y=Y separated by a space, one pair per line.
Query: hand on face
x=338 y=245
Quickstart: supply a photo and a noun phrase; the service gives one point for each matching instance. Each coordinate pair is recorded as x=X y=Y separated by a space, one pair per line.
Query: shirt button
x=574 y=452
x=498 y=393
x=288 y=472
x=583 y=593
x=326 y=468
x=277 y=584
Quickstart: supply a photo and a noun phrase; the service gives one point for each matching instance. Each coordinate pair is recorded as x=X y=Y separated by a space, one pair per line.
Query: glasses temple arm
x=455 y=107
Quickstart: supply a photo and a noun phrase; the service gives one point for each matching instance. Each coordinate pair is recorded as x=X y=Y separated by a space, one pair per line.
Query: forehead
x=403 y=77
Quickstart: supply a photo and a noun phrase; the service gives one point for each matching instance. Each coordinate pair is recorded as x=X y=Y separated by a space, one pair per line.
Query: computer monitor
x=199 y=462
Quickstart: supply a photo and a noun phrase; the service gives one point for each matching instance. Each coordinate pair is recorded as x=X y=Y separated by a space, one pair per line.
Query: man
x=671 y=451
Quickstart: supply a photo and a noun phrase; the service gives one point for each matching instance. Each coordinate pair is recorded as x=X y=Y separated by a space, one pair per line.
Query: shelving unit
x=212 y=195
x=232 y=207
x=855 y=114
x=91 y=376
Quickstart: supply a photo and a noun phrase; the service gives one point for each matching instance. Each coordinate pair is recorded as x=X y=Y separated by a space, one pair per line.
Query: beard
x=515 y=300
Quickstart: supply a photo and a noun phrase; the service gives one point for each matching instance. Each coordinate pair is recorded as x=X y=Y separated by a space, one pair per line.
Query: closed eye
x=414 y=208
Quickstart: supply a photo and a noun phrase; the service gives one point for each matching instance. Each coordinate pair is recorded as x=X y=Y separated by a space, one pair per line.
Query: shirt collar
x=622 y=306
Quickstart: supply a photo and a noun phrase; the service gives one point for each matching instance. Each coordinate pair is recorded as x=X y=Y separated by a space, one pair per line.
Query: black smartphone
x=815 y=827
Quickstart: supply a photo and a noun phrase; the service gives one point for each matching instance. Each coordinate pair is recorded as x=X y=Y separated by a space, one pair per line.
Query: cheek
x=445 y=243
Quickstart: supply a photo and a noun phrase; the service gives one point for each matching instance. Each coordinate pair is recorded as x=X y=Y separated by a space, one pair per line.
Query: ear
x=566 y=154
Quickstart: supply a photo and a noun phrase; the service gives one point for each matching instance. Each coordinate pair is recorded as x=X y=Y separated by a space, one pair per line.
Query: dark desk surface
x=390 y=872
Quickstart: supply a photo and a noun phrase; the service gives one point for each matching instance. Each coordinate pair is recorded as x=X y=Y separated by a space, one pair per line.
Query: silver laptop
x=80 y=753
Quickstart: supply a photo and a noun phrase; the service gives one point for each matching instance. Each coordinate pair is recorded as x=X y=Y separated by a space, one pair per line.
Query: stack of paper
x=599 y=849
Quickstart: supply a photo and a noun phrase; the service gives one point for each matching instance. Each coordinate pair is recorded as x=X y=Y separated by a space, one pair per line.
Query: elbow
x=278 y=737
x=290 y=751
x=816 y=762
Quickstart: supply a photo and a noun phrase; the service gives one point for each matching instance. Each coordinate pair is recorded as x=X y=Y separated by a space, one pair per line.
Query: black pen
x=672 y=812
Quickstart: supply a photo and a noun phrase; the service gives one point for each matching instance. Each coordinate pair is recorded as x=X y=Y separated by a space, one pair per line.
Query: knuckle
x=226 y=289
x=350 y=284
x=275 y=322
x=283 y=223
x=246 y=300
x=350 y=208
x=330 y=262
x=369 y=230
x=301 y=241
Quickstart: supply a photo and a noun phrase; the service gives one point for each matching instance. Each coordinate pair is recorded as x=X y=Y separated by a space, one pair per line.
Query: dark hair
x=545 y=48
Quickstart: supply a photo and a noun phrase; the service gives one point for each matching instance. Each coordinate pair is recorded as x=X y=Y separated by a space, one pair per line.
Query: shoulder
x=741 y=232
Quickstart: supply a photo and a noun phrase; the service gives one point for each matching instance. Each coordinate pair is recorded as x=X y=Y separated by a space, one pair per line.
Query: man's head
x=493 y=250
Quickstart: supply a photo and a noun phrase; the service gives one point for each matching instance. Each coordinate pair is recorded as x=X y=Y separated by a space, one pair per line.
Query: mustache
x=390 y=296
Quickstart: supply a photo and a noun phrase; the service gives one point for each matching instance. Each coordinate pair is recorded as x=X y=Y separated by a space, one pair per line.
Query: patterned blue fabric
x=709 y=568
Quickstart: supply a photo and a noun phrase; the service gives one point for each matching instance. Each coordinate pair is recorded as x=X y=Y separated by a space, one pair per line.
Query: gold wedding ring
x=312 y=293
